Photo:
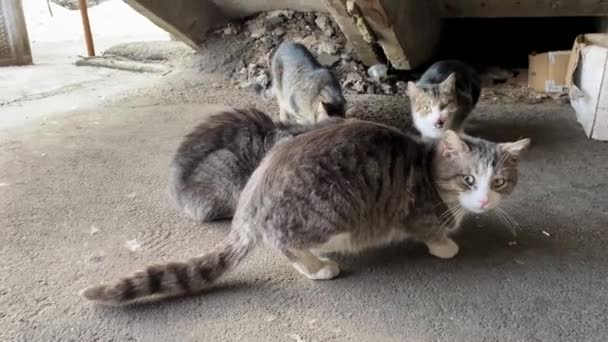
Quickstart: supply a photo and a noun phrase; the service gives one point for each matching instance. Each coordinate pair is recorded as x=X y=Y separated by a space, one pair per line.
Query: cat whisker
x=508 y=221
x=449 y=217
x=449 y=211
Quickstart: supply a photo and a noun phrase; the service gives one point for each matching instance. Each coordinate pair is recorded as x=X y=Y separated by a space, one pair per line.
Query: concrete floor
x=83 y=201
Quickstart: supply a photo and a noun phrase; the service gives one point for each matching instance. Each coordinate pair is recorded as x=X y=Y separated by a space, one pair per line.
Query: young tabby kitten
x=214 y=162
x=344 y=188
x=306 y=91
x=443 y=97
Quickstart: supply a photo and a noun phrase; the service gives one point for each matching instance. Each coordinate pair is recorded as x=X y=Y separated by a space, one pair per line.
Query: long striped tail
x=175 y=278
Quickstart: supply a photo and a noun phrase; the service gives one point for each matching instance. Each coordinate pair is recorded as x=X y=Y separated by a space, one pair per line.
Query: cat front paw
x=444 y=249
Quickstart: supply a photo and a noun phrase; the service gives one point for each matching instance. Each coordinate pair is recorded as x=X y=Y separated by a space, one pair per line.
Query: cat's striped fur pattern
x=215 y=160
x=343 y=187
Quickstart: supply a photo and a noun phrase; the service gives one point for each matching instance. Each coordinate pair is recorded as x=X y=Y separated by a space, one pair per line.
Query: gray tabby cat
x=306 y=91
x=443 y=97
x=214 y=162
x=344 y=188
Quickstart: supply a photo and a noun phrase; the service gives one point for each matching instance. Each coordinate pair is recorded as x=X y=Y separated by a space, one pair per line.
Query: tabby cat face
x=434 y=109
x=475 y=173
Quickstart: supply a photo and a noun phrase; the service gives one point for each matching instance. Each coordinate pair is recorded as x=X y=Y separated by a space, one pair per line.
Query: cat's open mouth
x=439 y=124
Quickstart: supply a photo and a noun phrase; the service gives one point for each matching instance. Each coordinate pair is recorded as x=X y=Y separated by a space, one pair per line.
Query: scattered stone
x=354 y=81
x=328 y=47
x=328 y=60
x=133 y=245
x=229 y=30
x=270 y=318
x=278 y=13
x=401 y=87
x=265 y=59
x=252 y=70
x=378 y=72
x=309 y=18
x=262 y=79
x=94 y=230
x=387 y=89
x=323 y=22
x=512 y=243
x=546 y=233
x=346 y=57
x=275 y=21
x=256 y=29
x=296 y=337
x=278 y=32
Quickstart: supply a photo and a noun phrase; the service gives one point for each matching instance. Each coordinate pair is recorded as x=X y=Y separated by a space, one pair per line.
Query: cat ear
x=449 y=84
x=451 y=144
x=411 y=88
x=515 y=148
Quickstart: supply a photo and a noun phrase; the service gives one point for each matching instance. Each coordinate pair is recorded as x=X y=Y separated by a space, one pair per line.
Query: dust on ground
x=83 y=201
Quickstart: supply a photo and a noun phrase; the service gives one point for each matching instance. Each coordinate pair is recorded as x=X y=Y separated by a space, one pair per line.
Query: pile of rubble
x=254 y=41
x=321 y=35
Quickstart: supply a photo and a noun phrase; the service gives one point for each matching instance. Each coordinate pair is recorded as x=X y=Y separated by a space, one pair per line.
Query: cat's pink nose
x=440 y=123
x=484 y=202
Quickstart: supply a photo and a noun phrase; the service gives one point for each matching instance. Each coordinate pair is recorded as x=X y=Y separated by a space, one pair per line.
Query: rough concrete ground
x=53 y=85
x=83 y=201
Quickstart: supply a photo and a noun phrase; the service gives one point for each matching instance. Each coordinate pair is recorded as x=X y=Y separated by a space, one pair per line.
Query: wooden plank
x=187 y=20
x=363 y=48
x=407 y=30
x=521 y=8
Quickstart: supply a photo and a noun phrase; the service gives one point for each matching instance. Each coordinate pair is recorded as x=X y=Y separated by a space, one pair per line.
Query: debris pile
x=320 y=34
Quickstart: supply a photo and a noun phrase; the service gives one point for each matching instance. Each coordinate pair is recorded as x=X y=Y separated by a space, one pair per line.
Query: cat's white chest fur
x=344 y=242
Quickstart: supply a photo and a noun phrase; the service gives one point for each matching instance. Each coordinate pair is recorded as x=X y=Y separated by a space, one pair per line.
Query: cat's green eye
x=426 y=108
x=498 y=182
x=470 y=180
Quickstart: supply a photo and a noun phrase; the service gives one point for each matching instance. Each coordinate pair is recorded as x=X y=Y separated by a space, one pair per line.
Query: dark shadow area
x=509 y=41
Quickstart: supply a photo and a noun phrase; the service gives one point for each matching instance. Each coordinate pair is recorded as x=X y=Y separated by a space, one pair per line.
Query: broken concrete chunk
x=328 y=60
x=323 y=22
x=328 y=47
x=278 y=32
x=378 y=72
x=288 y=14
x=256 y=29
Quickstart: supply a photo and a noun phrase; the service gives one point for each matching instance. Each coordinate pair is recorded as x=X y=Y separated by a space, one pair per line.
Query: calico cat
x=344 y=188
x=443 y=97
x=305 y=90
x=214 y=162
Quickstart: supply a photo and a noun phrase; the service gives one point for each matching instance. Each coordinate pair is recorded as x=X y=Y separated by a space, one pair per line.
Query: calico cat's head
x=434 y=108
x=476 y=173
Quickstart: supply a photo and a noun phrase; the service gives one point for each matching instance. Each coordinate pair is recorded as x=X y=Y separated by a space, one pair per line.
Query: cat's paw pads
x=329 y=270
x=445 y=249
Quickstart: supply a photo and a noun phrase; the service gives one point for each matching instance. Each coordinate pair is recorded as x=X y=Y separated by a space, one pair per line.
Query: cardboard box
x=547 y=71
x=587 y=78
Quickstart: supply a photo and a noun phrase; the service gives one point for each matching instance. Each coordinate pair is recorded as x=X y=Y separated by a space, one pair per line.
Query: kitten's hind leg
x=444 y=248
x=311 y=265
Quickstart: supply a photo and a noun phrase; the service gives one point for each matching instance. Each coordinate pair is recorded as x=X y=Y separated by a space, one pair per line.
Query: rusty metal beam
x=88 y=36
